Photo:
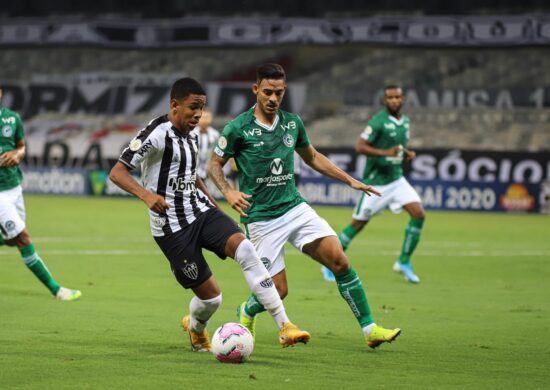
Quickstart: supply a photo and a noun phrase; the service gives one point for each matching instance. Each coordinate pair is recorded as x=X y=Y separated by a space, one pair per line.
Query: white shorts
x=394 y=196
x=12 y=213
x=299 y=226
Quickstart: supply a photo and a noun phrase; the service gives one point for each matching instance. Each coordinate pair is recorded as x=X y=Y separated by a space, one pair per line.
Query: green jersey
x=11 y=133
x=265 y=161
x=383 y=132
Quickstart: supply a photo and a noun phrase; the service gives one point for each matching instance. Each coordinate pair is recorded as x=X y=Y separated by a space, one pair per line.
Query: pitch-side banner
x=398 y=30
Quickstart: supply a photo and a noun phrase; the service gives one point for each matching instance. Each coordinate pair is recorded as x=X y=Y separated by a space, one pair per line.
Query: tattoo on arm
x=215 y=172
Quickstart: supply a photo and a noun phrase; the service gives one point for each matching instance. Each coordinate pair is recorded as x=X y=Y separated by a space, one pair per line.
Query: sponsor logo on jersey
x=9 y=120
x=277 y=166
x=222 y=142
x=288 y=140
x=277 y=178
x=218 y=151
x=191 y=270
x=7 y=131
x=145 y=148
x=389 y=126
x=182 y=184
x=135 y=144
x=159 y=221
x=253 y=132
x=289 y=125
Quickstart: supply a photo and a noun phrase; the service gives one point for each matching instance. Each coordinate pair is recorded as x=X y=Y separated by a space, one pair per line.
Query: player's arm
x=365 y=147
x=236 y=199
x=323 y=165
x=120 y=175
x=201 y=186
x=13 y=157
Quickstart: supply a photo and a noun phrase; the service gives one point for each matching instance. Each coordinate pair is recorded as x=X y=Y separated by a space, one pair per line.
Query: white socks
x=200 y=312
x=260 y=281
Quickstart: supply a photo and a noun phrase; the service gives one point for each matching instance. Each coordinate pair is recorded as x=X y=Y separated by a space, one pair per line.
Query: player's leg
x=222 y=236
x=406 y=197
x=328 y=252
x=12 y=228
x=189 y=267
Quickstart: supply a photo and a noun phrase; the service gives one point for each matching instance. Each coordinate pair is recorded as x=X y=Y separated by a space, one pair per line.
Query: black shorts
x=183 y=249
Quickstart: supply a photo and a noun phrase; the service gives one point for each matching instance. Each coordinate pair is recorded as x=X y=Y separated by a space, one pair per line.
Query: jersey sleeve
x=19 y=130
x=228 y=142
x=303 y=139
x=372 y=130
x=140 y=147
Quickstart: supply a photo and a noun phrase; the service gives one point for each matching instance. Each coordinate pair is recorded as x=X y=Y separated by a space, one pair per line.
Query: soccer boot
x=290 y=334
x=66 y=294
x=407 y=271
x=248 y=322
x=199 y=342
x=327 y=274
x=379 y=335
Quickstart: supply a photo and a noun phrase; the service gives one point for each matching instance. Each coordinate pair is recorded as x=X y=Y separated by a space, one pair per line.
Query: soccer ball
x=232 y=343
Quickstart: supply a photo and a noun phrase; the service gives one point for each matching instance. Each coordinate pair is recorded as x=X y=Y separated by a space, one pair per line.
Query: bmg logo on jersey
x=277 y=166
x=182 y=184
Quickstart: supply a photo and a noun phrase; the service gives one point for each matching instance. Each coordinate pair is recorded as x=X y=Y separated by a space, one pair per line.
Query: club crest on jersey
x=288 y=140
x=266 y=262
x=10 y=225
x=222 y=142
x=7 y=131
x=190 y=270
x=277 y=166
x=135 y=144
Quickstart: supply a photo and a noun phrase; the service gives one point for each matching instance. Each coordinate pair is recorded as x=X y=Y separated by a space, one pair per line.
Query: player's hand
x=156 y=203
x=393 y=152
x=357 y=185
x=238 y=201
x=409 y=154
x=11 y=158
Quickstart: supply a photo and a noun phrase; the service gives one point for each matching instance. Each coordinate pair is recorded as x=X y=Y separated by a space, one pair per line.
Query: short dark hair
x=185 y=87
x=392 y=86
x=270 y=72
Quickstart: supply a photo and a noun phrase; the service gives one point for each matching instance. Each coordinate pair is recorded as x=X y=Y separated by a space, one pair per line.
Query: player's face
x=187 y=112
x=269 y=95
x=393 y=99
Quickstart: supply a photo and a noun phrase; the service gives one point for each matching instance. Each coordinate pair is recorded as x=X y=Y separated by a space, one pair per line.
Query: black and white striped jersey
x=168 y=163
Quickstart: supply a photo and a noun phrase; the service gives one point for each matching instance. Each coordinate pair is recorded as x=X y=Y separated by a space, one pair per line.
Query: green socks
x=1 y=240
x=347 y=235
x=412 y=236
x=38 y=268
x=253 y=306
x=352 y=291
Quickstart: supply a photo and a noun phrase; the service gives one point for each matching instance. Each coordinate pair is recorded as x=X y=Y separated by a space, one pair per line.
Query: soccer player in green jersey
x=384 y=142
x=12 y=208
x=262 y=141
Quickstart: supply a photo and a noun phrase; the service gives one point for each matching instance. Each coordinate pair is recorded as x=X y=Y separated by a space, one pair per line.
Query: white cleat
x=407 y=271
x=66 y=294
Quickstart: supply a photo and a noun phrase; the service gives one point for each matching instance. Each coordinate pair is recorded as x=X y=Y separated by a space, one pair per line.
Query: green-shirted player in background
x=262 y=141
x=12 y=208
x=384 y=142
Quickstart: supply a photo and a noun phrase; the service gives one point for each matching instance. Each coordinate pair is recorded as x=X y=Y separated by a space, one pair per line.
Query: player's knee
x=339 y=265
x=246 y=255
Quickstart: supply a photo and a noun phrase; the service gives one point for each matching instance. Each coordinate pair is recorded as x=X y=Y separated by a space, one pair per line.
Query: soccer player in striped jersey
x=13 y=231
x=262 y=141
x=184 y=218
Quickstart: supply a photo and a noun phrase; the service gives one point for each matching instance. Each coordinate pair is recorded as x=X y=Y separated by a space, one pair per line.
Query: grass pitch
x=479 y=318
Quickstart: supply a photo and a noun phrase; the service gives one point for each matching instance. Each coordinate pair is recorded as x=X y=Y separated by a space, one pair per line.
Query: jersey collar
x=398 y=122
x=252 y=119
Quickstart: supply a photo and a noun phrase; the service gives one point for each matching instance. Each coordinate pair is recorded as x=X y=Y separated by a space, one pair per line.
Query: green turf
x=479 y=319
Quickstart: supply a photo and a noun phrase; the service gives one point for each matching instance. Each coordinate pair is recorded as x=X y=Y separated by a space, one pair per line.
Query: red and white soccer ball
x=232 y=343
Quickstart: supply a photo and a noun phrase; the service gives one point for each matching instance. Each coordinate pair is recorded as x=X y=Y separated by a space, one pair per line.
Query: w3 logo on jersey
x=9 y=120
x=181 y=184
x=277 y=166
